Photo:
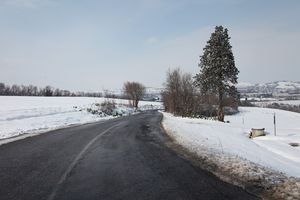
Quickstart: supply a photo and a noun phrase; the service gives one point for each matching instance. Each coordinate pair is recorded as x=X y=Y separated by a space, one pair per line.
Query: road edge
x=284 y=188
x=203 y=163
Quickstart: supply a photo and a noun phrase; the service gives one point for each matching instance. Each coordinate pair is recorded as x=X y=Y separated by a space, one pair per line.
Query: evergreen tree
x=218 y=74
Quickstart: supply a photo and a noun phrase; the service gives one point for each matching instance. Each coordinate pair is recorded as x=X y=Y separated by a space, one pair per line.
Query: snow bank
x=228 y=146
x=269 y=151
x=20 y=115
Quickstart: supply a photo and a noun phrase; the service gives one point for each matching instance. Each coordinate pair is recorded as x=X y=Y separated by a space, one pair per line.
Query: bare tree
x=179 y=95
x=57 y=92
x=134 y=91
x=15 y=90
x=188 y=96
x=172 y=91
x=2 y=89
x=48 y=91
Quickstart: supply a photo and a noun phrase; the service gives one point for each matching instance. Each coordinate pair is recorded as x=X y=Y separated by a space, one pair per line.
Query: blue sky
x=94 y=45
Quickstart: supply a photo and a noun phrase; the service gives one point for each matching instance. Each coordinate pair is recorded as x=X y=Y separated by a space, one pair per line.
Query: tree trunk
x=220 y=110
x=221 y=114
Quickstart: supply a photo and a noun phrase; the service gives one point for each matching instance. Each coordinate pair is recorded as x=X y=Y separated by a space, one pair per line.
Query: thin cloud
x=151 y=40
x=25 y=3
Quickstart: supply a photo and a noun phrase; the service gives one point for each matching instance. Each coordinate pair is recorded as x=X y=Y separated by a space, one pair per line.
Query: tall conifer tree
x=218 y=73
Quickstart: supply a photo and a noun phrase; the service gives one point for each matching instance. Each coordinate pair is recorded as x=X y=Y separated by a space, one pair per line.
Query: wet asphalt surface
x=124 y=158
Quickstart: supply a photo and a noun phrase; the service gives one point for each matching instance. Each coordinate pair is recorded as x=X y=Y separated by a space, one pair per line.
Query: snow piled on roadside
x=20 y=115
x=247 y=162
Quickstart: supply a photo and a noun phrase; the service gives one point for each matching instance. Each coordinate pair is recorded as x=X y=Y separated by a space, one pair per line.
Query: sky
x=91 y=45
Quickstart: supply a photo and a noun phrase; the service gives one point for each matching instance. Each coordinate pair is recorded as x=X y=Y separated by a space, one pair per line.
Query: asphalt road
x=118 y=159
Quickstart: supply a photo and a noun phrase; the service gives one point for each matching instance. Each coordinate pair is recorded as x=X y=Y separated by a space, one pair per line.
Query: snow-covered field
x=232 y=138
x=20 y=115
x=270 y=151
x=228 y=146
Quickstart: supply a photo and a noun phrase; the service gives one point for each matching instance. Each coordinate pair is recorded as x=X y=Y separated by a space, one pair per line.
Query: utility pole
x=275 y=124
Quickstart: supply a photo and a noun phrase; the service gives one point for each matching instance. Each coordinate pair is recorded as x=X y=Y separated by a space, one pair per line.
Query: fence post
x=275 y=124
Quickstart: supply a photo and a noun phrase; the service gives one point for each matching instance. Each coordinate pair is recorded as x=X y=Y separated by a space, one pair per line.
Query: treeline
x=31 y=90
x=211 y=92
x=183 y=98
x=282 y=106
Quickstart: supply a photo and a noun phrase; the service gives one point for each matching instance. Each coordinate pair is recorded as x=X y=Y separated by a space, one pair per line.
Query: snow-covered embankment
x=29 y=115
x=228 y=146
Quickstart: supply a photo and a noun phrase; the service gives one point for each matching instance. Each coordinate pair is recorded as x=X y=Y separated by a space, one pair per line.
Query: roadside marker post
x=275 y=124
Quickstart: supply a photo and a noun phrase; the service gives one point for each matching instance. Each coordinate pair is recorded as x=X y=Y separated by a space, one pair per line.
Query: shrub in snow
x=123 y=111
x=108 y=106
x=103 y=109
x=93 y=111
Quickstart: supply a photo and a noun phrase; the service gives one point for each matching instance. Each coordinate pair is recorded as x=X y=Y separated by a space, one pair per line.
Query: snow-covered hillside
x=20 y=115
x=268 y=88
x=231 y=139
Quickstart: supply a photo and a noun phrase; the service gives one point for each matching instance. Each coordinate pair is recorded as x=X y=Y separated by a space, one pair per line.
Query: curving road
x=117 y=159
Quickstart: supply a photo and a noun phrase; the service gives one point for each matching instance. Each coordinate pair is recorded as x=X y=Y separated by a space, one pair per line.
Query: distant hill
x=153 y=93
x=277 y=87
